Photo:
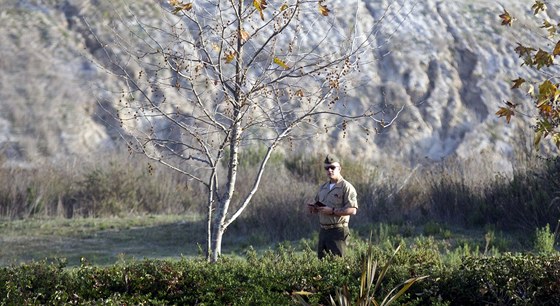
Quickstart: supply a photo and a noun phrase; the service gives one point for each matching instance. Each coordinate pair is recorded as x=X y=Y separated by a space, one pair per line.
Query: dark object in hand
x=318 y=204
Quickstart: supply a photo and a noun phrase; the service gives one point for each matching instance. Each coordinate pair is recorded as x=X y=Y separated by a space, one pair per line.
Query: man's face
x=333 y=171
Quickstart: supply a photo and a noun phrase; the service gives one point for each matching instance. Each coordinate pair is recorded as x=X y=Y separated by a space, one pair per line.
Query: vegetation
x=481 y=241
x=370 y=284
x=428 y=201
x=286 y=277
x=207 y=81
x=545 y=240
x=542 y=88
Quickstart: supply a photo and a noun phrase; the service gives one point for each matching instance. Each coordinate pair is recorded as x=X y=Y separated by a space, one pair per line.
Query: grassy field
x=115 y=210
x=105 y=241
x=100 y=241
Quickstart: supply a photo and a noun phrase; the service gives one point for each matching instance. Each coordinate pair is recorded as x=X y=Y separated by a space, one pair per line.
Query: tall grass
x=449 y=192
x=111 y=186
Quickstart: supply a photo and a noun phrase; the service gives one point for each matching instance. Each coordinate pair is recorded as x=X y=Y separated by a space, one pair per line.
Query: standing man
x=335 y=202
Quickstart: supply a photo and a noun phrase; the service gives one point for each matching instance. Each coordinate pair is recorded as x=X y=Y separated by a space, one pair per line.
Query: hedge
x=273 y=277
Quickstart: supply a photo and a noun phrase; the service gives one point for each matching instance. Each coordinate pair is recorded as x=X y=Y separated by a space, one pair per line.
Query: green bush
x=35 y=283
x=273 y=277
x=544 y=240
x=509 y=279
x=267 y=279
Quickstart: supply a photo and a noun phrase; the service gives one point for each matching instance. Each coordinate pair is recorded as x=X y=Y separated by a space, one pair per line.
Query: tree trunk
x=235 y=136
x=222 y=208
x=217 y=234
x=209 y=222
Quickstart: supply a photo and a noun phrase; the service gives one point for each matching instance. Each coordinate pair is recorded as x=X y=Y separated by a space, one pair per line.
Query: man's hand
x=311 y=208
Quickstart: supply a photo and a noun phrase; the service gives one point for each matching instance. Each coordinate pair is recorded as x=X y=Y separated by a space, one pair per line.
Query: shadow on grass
x=171 y=240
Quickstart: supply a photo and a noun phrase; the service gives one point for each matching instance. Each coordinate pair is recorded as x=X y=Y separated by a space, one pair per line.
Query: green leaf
x=405 y=286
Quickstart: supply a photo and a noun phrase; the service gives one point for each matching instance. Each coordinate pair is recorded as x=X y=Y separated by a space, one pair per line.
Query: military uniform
x=334 y=229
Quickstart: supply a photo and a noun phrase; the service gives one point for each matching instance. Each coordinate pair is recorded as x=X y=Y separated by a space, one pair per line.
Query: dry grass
x=448 y=193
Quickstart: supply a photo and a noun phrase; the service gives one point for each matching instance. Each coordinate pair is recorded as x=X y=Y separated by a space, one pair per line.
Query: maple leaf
x=546 y=109
x=538 y=7
x=323 y=9
x=547 y=91
x=543 y=128
x=230 y=56
x=556 y=50
x=299 y=93
x=549 y=27
x=526 y=53
x=280 y=63
x=543 y=58
x=506 y=111
x=179 y=6
x=260 y=5
x=506 y=18
x=517 y=82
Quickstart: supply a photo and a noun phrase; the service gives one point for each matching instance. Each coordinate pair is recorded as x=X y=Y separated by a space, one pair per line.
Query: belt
x=335 y=225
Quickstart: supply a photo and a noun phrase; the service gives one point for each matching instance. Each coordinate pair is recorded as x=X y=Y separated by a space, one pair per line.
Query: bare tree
x=213 y=78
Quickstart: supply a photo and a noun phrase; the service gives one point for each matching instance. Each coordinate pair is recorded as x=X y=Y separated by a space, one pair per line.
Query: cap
x=331 y=159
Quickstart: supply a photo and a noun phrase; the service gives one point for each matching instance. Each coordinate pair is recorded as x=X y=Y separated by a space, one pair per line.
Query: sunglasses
x=330 y=167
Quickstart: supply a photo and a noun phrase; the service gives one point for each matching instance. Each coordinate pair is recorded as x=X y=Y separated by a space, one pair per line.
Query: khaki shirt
x=343 y=195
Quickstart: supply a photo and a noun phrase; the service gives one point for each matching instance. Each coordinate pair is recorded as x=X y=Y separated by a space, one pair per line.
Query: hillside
x=448 y=64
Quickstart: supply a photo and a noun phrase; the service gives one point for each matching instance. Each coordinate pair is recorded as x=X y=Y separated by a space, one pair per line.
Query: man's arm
x=346 y=211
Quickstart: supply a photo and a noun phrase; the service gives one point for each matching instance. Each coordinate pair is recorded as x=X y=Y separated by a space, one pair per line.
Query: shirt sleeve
x=351 y=199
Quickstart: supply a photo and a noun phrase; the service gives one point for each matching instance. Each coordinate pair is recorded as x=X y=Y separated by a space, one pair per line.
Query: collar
x=325 y=185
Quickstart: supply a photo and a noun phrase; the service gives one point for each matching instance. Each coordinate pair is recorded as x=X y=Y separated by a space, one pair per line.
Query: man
x=339 y=198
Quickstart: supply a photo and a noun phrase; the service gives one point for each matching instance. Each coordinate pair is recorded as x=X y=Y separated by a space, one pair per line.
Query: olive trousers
x=332 y=241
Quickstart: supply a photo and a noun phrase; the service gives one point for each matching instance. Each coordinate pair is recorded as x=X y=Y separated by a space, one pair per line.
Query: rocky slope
x=447 y=63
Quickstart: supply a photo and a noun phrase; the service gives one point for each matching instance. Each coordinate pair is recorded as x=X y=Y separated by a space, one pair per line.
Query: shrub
x=272 y=278
x=509 y=279
x=544 y=240
x=34 y=283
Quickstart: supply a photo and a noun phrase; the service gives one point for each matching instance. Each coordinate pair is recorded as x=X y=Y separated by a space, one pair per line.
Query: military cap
x=331 y=159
